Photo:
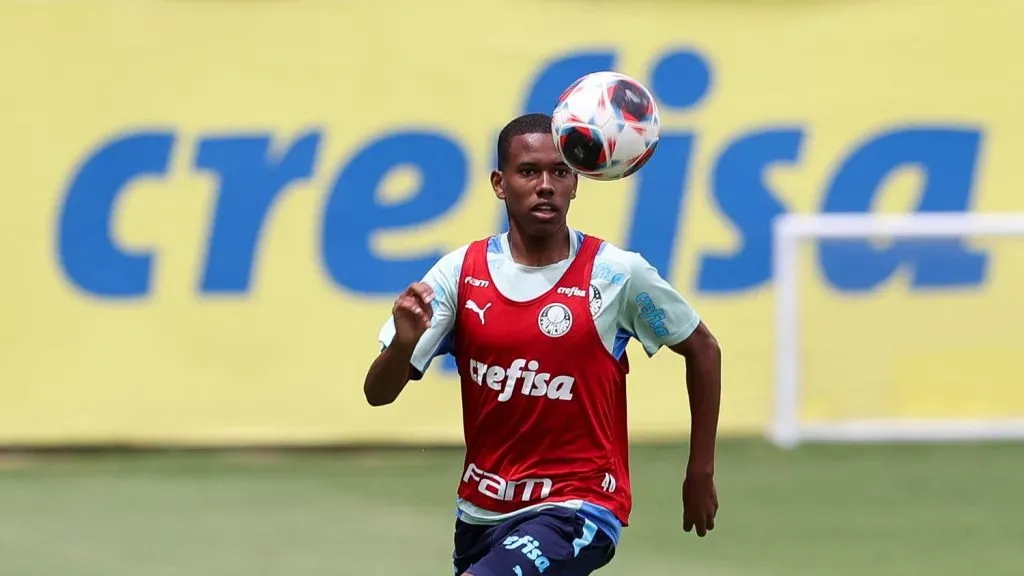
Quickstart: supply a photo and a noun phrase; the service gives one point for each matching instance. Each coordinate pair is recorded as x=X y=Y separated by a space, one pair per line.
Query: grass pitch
x=907 y=510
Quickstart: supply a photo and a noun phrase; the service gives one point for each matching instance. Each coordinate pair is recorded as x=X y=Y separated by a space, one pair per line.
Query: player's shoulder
x=443 y=276
x=617 y=265
x=451 y=263
x=454 y=257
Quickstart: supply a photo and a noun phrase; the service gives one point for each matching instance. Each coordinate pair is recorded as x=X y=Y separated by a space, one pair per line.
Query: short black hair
x=525 y=124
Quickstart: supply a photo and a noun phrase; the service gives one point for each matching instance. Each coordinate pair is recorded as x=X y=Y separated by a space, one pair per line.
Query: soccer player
x=538 y=320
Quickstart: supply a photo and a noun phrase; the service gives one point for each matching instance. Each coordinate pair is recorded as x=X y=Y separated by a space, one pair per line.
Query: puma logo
x=476 y=308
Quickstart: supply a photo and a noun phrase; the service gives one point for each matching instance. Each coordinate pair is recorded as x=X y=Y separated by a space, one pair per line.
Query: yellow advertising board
x=208 y=206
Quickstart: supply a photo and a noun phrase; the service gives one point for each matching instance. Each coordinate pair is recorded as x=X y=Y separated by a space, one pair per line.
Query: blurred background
x=209 y=205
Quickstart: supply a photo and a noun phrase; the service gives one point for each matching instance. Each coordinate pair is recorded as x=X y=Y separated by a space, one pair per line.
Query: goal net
x=898 y=328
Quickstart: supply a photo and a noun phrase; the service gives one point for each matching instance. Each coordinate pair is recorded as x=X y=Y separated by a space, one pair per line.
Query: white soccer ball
x=606 y=126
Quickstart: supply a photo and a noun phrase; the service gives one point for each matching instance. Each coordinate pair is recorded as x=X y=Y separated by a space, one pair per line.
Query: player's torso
x=543 y=399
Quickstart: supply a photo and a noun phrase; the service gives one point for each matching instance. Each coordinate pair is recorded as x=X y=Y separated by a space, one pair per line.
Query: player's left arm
x=661 y=317
x=704 y=389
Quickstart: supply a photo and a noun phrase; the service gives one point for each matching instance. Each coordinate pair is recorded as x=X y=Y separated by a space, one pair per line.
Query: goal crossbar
x=789 y=230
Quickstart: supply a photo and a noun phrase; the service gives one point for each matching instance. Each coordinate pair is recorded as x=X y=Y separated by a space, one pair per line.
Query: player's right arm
x=392 y=369
x=418 y=330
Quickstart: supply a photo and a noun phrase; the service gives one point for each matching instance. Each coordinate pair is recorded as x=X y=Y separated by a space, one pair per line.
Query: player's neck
x=538 y=250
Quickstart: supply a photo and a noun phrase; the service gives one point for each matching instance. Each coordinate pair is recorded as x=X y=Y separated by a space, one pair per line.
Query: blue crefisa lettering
x=651 y=314
x=252 y=177
x=603 y=271
x=531 y=548
x=947 y=157
x=89 y=256
x=743 y=197
x=354 y=212
x=680 y=80
x=255 y=171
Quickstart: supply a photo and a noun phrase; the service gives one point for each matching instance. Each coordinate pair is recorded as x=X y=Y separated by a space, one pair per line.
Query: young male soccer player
x=538 y=320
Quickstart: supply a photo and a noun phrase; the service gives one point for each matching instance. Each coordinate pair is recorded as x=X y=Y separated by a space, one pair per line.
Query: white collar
x=506 y=251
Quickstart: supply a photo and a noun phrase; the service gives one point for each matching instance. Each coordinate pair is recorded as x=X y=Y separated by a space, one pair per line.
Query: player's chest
x=562 y=317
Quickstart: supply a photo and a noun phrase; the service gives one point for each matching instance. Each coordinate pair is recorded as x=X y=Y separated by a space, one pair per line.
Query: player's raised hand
x=412 y=312
x=700 y=503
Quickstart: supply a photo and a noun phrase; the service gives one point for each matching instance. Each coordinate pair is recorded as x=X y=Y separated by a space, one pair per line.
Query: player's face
x=535 y=184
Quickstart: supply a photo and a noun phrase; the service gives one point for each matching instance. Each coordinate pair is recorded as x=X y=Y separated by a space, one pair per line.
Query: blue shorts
x=553 y=542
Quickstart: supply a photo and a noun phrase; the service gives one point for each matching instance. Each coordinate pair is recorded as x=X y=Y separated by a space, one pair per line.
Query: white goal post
x=786 y=429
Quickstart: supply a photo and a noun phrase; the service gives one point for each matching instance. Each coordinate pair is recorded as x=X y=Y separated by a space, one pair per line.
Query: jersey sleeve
x=653 y=311
x=436 y=341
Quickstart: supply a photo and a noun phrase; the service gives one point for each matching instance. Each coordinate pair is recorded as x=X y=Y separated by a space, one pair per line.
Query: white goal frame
x=789 y=230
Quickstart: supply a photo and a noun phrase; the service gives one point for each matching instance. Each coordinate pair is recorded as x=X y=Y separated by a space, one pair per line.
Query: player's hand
x=700 y=502
x=412 y=312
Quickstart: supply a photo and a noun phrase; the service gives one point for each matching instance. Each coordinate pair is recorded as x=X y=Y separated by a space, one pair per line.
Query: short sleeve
x=443 y=278
x=653 y=311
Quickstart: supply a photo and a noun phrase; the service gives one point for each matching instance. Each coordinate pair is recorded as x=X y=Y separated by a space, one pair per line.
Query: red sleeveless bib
x=543 y=401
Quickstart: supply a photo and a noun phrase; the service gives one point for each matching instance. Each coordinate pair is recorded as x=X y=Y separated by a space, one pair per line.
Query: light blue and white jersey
x=628 y=299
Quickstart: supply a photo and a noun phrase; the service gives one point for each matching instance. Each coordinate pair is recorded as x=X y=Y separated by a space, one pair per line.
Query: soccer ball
x=606 y=126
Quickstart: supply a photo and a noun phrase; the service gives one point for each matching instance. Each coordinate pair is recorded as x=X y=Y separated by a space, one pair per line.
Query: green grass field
x=835 y=510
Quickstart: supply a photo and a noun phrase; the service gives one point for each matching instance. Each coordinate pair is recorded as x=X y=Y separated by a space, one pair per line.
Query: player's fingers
x=422 y=314
x=701 y=528
x=409 y=305
x=406 y=303
x=423 y=291
x=423 y=295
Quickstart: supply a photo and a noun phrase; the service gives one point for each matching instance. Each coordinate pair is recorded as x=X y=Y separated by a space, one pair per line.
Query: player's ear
x=575 y=182
x=498 y=184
